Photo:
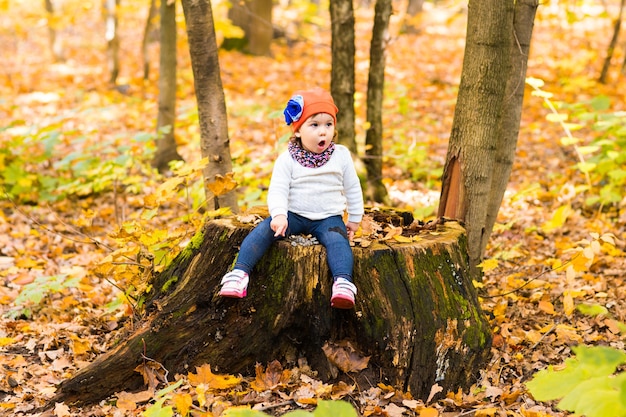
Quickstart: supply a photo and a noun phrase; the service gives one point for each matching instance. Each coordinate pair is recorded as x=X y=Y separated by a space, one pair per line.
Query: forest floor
x=59 y=311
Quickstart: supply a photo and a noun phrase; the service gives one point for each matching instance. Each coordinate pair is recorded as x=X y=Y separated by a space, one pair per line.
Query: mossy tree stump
x=416 y=315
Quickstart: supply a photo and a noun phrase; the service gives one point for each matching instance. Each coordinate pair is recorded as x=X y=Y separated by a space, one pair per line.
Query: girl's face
x=317 y=132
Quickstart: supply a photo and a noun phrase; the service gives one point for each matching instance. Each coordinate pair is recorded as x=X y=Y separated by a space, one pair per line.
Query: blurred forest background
x=79 y=192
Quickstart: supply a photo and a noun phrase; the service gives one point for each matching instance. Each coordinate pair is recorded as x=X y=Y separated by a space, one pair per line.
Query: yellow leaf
x=533 y=336
x=429 y=412
x=222 y=185
x=182 y=402
x=486 y=412
x=80 y=346
x=201 y=394
x=568 y=303
x=558 y=218
x=500 y=309
x=4 y=341
x=190 y=168
x=567 y=334
x=402 y=239
x=546 y=307
x=214 y=381
x=489 y=264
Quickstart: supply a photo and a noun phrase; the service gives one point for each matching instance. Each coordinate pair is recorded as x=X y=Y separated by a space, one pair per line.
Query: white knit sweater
x=316 y=193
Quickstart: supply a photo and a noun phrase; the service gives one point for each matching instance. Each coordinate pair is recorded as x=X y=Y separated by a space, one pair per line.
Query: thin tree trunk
x=148 y=32
x=166 y=119
x=260 y=29
x=112 y=38
x=342 y=78
x=469 y=169
x=255 y=18
x=376 y=190
x=523 y=23
x=609 y=53
x=56 y=47
x=414 y=8
x=214 y=141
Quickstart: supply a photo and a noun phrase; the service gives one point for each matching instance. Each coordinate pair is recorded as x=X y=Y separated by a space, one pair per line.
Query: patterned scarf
x=310 y=159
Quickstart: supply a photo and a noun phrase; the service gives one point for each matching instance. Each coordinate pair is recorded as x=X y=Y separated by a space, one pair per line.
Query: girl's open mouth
x=321 y=144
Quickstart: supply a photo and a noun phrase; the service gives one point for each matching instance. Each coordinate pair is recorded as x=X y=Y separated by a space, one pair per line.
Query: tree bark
x=255 y=18
x=376 y=190
x=611 y=49
x=56 y=46
x=166 y=151
x=149 y=36
x=214 y=141
x=416 y=315
x=342 y=76
x=523 y=23
x=414 y=9
x=112 y=38
x=469 y=171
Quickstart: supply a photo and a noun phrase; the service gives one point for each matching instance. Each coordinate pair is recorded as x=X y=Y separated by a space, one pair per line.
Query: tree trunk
x=150 y=34
x=469 y=168
x=261 y=29
x=166 y=119
x=342 y=78
x=609 y=53
x=112 y=38
x=56 y=47
x=375 y=190
x=214 y=141
x=511 y=112
x=255 y=18
x=414 y=9
x=416 y=315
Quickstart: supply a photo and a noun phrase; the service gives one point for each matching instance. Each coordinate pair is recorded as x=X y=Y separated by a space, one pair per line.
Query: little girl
x=312 y=184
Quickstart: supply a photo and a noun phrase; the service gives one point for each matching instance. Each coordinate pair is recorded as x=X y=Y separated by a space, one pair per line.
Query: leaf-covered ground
x=63 y=265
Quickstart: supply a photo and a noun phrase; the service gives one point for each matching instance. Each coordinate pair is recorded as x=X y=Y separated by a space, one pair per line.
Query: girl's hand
x=352 y=228
x=279 y=225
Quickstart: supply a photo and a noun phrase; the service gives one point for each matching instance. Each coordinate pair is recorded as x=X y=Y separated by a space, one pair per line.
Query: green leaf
x=601 y=103
x=596 y=397
x=586 y=166
x=157 y=410
x=586 y=384
x=586 y=150
x=169 y=388
x=592 y=309
x=334 y=409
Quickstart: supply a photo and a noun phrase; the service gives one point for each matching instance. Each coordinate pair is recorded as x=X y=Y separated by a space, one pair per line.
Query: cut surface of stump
x=416 y=317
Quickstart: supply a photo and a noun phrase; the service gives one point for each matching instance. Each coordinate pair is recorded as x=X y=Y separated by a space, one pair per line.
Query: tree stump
x=416 y=316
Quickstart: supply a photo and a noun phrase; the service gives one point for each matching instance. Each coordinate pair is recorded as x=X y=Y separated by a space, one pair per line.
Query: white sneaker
x=343 y=294
x=235 y=284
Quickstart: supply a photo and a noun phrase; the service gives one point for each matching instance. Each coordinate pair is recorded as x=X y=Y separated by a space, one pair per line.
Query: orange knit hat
x=306 y=103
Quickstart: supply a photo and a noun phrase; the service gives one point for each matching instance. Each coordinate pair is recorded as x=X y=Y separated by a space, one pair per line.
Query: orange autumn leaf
x=273 y=377
x=213 y=381
x=222 y=184
x=429 y=412
x=182 y=402
x=546 y=307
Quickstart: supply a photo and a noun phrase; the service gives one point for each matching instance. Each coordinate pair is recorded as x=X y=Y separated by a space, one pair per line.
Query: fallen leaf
x=345 y=357
x=429 y=412
x=273 y=377
x=213 y=381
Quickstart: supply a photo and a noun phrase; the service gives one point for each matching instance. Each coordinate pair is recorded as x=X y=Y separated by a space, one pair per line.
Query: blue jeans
x=330 y=232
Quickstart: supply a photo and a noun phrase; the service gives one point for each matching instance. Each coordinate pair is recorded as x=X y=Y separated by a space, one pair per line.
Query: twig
x=550 y=330
x=271 y=406
x=533 y=278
